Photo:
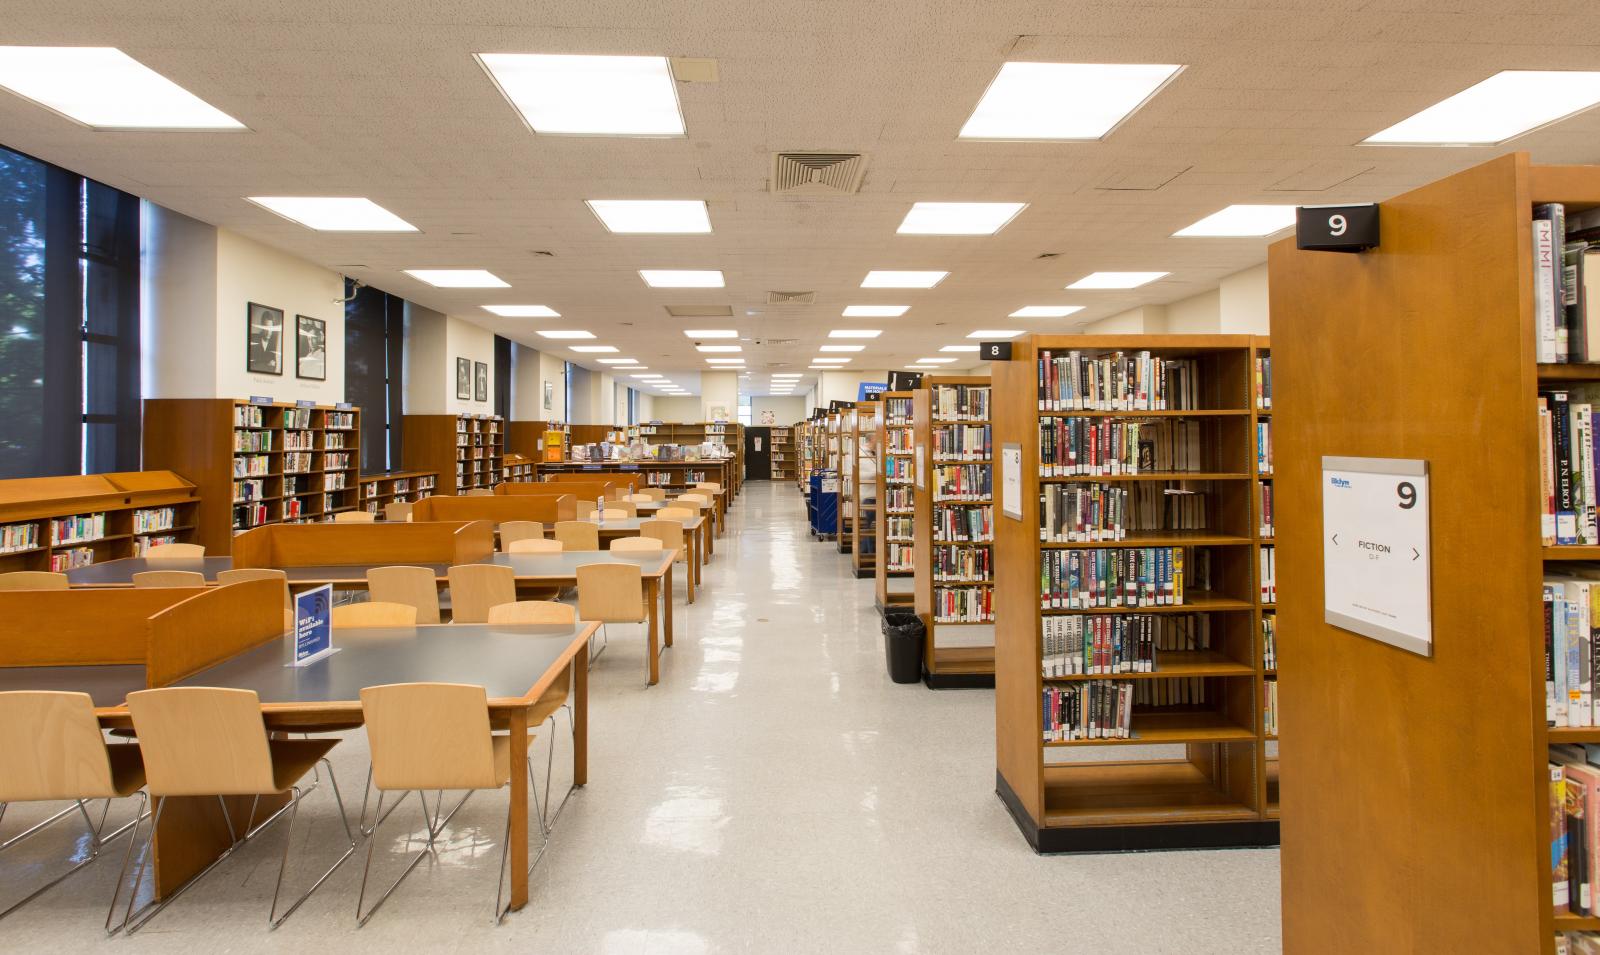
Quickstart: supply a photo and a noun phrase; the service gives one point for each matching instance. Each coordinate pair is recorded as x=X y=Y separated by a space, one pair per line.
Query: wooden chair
x=553 y=699
x=708 y=485
x=578 y=535
x=474 y=588
x=432 y=737
x=613 y=593
x=480 y=492
x=513 y=531
x=676 y=513
x=169 y=578
x=670 y=533
x=398 y=512
x=614 y=514
x=535 y=546
x=168 y=551
x=636 y=545
x=637 y=499
x=586 y=508
x=354 y=517
x=33 y=580
x=533 y=612
x=209 y=741
x=416 y=586
x=226 y=577
x=628 y=508
x=652 y=493
x=51 y=749
x=373 y=613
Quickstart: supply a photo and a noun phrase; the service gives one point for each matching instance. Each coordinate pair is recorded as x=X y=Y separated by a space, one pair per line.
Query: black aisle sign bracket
x=994 y=351
x=1340 y=228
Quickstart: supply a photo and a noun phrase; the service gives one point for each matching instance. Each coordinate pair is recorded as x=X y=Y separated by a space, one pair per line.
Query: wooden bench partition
x=315 y=545
x=544 y=508
x=48 y=628
x=587 y=490
x=211 y=626
x=632 y=478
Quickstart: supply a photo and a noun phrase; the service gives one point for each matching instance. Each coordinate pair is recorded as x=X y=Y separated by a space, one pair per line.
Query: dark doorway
x=758 y=454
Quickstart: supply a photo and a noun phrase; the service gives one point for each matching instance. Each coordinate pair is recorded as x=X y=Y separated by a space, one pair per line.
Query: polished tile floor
x=775 y=793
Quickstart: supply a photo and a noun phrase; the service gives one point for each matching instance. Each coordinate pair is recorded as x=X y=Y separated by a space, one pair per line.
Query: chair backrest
x=33 y=580
x=51 y=748
x=533 y=611
x=578 y=535
x=416 y=586
x=693 y=498
x=158 y=551
x=202 y=741
x=610 y=593
x=708 y=485
x=398 y=512
x=354 y=517
x=636 y=545
x=675 y=514
x=614 y=514
x=586 y=508
x=474 y=588
x=653 y=493
x=637 y=499
x=373 y=613
x=535 y=545
x=628 y=508
x=513 y=531
x=480 y=492
x=169 y=578
x=242 y=574
x=429 y=736
x=669 y=532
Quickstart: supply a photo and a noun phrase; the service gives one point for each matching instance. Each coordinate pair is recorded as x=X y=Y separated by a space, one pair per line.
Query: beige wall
x=786 y=409
x=1237 y=306
x=668 y=408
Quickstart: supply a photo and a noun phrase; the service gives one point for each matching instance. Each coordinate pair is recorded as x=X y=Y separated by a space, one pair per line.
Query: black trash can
x=902 y=640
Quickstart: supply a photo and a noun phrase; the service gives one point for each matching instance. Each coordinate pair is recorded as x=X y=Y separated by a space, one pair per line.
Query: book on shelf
x=1263 y=380
x=81 y=527
x=962 y=482
x=971 y=524
x=1268 y=573
x=64 y=560
x=1084 y=579
x=961 y=564
x=153 y=519
x=1566 y=250
x=1117 y=382
x=1264 y=447
x=1571 y=623
x=969 y=442
x=1269 y=707
x=297 y=418
x=1096 y=644
x=142 y=545
x=899 y=556
x=252 y=440
x=1264 y=508
x=1104 y=709
x=1078 y=513
x=18 y=537
x=1269 y=640
x=248 y=416
x=1574 y=828
x=961 y=403
x=1096 y=447
x=963 y=604
x=1569 y=492
x=299 y=440
x=250 y=465
x=296 y=462
x=340 y=420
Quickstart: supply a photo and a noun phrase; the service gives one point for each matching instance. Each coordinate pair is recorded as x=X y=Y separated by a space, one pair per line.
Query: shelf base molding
x=1068 y=840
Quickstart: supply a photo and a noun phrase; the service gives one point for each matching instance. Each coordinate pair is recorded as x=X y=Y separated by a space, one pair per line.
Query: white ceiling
x=381 y=98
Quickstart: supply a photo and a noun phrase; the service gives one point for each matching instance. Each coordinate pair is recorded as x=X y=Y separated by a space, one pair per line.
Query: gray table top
x=565 y=564
x=121 y=571
x=631 y=524
x=106 y=685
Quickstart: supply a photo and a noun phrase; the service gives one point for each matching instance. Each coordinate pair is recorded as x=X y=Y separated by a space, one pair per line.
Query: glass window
x=374 y=356
x=22 y=319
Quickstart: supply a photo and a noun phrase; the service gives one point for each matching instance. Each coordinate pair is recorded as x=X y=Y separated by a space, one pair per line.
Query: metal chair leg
x=273 y=919
x=604 y=642
x=127 y=856
x=97 y=841
x=379 y=816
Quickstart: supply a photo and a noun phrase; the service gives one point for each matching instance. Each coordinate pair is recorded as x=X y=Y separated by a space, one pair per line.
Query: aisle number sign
x=1375 y=562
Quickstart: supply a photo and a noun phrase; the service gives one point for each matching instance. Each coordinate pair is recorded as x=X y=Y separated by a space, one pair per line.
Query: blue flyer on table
x=313 y=625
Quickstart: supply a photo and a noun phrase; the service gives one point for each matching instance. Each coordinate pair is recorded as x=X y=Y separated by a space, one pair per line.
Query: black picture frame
x=310 y=348
x=480 y=379
x=263 y=339
x=464 y=379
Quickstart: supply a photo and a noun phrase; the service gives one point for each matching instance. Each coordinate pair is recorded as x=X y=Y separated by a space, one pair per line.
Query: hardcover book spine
x=1546 y=283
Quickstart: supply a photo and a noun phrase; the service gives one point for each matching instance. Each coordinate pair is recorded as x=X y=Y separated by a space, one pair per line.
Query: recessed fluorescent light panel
x=523 y=311
x=645 y=376
x=589 y=95
x=681 y=278
x=619 y=361
x=837 y=348
x=1105 y=280
x=1241 y=221
x=994 y=334
x=594 y=349
x=105 y=88
x=719 y=348
x=822 y=367
x=724 y=361
x=1045 y=311
x=934 y=361
x=457 y=278
x=875 y=311
x=710 y=333
x=1502 y=107
x=959 y=218
x=855 y=333
x=571 y=333
x=1082 y=101
x=334 y=213
x=959 y=348
x=830 y=361
x=652 y=216
x=878 y=278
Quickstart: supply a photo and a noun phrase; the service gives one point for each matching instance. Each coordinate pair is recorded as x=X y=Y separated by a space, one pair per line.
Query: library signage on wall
x=1375 y=559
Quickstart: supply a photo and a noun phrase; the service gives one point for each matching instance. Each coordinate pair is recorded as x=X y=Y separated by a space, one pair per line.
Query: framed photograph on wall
x=480 y=381
x=310 y=348
x=463 y=379
x=549 y=396
x=263 y=339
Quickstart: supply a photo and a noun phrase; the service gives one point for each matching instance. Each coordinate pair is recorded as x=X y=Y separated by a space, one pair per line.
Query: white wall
x=476 y=344
x=1238 y=306
x=1244 y=302
x=1146 y=319
x=553 y=369
x=718 y=389
x=582 y=411
x=428 y=377
x=247 y=271
x=1196 y=315
x=178 y=304
x=685 y=409
x=786 y=409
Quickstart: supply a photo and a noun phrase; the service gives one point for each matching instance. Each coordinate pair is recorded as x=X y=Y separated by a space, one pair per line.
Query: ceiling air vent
x=817 y=174
x=791 y=298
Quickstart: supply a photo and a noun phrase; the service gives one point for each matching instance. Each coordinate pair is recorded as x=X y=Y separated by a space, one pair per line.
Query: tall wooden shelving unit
x=784 y=452
x=466 y=451
x=864 y=532
x=254 y=462
x=1206 y=784
x=845 y=441
x=1433 y=769
x=896 y=506
x=1264 y=525
x=55 y=523
x=955 y=654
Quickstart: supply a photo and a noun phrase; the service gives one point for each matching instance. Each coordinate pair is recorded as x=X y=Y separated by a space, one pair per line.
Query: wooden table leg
x=692 y=565
x=193 y=833
x=650 y=588
x=666 y=606
x=580 y=717
x=519 y=806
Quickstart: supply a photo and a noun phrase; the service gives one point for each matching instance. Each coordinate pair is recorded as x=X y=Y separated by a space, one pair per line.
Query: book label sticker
x=1376 y=566
x=313 y=626
x=1011 y=480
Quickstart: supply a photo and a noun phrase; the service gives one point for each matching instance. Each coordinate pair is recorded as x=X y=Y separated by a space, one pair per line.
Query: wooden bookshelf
x=125 y=512
x=863 y=491
x=467 y=451
x=396 y=487
x=518 y=467
x=1193 y=770
x=844 y=439
x=896 y=509
x=955 y=654
x=256 y=463
x=785 y=453
x=1415 y=789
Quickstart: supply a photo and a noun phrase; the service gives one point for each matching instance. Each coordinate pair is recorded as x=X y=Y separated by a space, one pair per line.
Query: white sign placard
x=1375 y=565
x=1011 y=480
x=917 y=469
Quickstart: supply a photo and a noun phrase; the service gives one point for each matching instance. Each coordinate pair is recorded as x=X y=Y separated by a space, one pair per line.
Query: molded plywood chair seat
x=676 y=514
x=33 y=580
x=636 y=545
x=51 y=749
x=480 y=492
x=474 y=588
x=670 y=532
x=354 y=517
x=652 y=493
x=168 y=551
x=613 y=593
x=628 y=508
x=614 y=514
x=533 y=612
x=708 y=485
x=513 y=531
x=578 y=535
x=416 y=586
x=535 y=546
x=212 y=742
x=373 y=613
x=398 y=512
x=432 y=737
x=169 y=578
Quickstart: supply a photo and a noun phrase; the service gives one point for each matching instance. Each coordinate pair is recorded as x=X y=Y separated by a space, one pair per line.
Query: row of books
x=1264 y=447
x=963 y=525
x=1074 y=579
x=963 y=604
x=340 y=420
x=148 y=520
x=1118 y=643
x=1268 y=573
x=1116 y=382
x=1563 y=306
x=335 y=481
x=65 y=560
x=1070 y=447
x=297 y=462
x=1263 y=382
x=1264 y=508
x=1569 y=494
x=899 y=556
x=1077 y=513
x=962 y=564
x=897 y=470
x=1269 y=707
x=1574 y=827
x=897 y=412
x=963 y=482
x=295 y=484
x=898 y=440
x=252 y=441
x=898 y=528
x=142 y=545
x=247 y=465
x=961 y=403
x=15 y=537
x=249 y=416
x=297 y=417
x=1269 y=640
x=1571 y=641
x=299 y=440
x=898 y=498
x=1577 y=943
x=968 y=442
x=246 y=516
x=250 y=490
x=1103 y=709
x=80 y=527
